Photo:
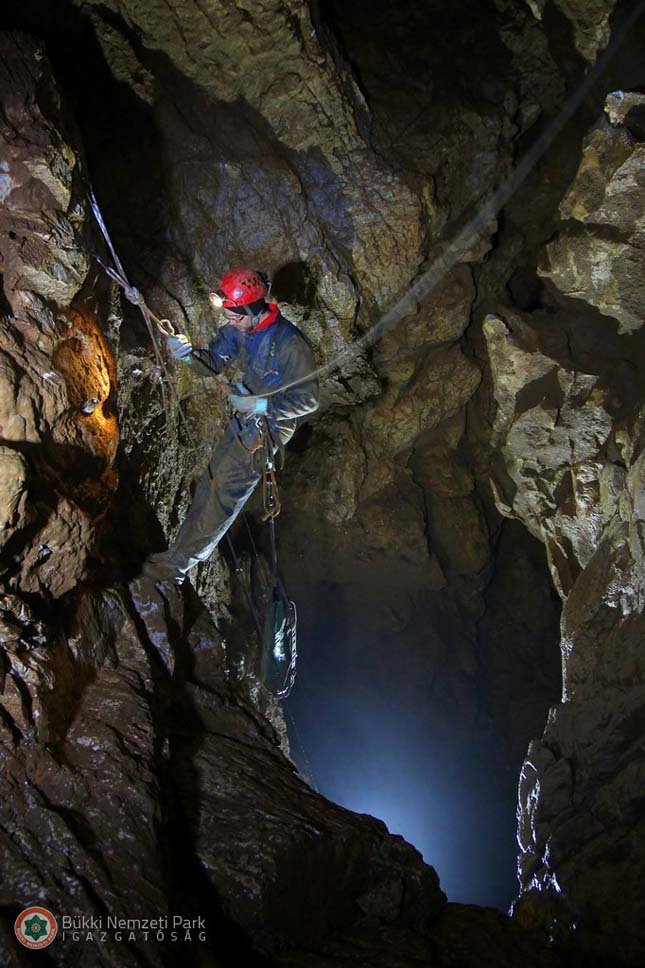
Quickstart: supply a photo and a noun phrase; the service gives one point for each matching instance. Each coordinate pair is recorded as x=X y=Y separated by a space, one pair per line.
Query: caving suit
x=272 y=355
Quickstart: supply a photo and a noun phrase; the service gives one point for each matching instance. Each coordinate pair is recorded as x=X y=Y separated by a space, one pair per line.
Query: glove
x=180 y=346
x=248 y=403
x=134 y=296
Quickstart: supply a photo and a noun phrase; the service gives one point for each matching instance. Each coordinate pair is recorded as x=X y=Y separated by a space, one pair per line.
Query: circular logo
x=36 y=927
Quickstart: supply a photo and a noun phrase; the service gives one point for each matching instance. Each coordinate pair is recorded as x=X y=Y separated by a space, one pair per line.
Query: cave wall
x=307 y=164
x=568 y=386
x=125 y=751
x=137 y=780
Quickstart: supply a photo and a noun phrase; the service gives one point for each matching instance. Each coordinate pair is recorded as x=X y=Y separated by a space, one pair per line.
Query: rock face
x=230 y=121
x=59 y=432
x=569 y=424
x=145 y=770
x=600 y=258
x=590 y=23
x=137 y=781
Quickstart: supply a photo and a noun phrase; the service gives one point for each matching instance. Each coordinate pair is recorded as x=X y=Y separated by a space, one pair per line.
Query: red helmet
x=241 y=287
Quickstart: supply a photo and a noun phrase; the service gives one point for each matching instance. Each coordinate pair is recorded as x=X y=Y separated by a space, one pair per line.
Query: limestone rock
x=341 y=471
x=627 y=108
x=435 y=462
x=602 y=263
x=442 y=383
x=41 y=248
x=590 y=21
x=605 y=150
x=572 y=445
x=536 y=7
x=57 y=372
x=55 y=562
x=555 y=424
x=13 y=493
x=376 y=230
x=391 y=516
x=538 y=85
x=127 y=749
x=72 y=807
x=442 y=318
x=514 y=364
x=458 y=534
x=606 y=273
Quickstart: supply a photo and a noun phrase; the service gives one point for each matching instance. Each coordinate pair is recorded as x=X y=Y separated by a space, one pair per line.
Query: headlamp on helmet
x=239 y=288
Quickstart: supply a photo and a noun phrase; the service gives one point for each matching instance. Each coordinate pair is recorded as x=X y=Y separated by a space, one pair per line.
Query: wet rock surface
x=138 y=780
x=145 y=768
x=599 y=259
x=571 y=442
x=59 y=431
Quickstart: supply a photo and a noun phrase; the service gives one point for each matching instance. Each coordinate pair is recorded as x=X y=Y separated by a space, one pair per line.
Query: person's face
x=239 y=321
x=242 y=323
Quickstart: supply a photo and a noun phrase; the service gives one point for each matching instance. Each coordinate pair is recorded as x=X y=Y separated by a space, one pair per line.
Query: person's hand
x=248 y=403
x=180 y=346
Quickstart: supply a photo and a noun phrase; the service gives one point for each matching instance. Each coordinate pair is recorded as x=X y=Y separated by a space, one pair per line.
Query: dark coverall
x=269 y=358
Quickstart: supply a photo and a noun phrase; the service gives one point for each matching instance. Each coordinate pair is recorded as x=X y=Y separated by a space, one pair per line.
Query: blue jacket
x=275 y=356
